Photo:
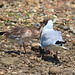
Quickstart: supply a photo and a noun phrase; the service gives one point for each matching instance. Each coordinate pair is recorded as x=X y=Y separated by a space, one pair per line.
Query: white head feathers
x=49 y=24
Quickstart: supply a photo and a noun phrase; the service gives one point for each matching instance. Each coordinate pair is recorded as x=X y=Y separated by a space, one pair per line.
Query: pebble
x=2 y=72
x=67 y=73
x=13 y=54
x=3 y=53
x=29 y=20
x=1 y=4
x=25 y=65
x=69 y=36
x=14 y=73
x=34 y=10
x=32 y=57
x=66 y=28
x=0 y=53
x=55 y=70
x=35 y=46
x=5 y=60
x=31 y=65
x=74 y=42
x=73 y=18
x=38 y=59
x=69 y=40
x=72 y=29
x=27 y=61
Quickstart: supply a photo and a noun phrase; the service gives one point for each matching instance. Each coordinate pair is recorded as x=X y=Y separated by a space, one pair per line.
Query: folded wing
x=50 y=37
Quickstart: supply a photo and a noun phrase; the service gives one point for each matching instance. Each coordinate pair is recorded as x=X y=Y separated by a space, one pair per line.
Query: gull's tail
x=60 y=42
x=1 y=33
x=6 y=34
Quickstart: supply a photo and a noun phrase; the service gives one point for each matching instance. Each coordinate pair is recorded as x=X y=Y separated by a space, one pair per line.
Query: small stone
x=38 y=59
x=66 y=28
x=20 y=71
x=32 y=57
x=69 y=40
x=13 y=54
x=27 y=61
x=29 y=20
x=0 y=53
x=73 y=31
x=31 y=65
x=26 y=71
x=14 y=73
x=35 y=46
x=8 y=10
x=55 y=70
x=22 y=62
x=25 y=65
x=3 y=53
x=10 y=68
x=5 y=60
x=2 y=72
x=69 y=36
x=73 y=18
x=67 y=73
x=1 y=4
x=34 y=39
x=59 y=22
x=73 y=42
x=34 y=10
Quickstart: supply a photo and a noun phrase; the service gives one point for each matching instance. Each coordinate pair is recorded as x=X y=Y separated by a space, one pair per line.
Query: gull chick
x=51 y=39
x=22 y=34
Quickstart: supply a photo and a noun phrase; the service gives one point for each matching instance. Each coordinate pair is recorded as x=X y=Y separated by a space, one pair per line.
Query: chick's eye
x=37 y=24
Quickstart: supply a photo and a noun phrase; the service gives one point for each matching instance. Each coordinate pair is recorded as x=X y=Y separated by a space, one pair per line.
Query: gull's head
x=44 y=22
x=47 y=22
x=50 y=22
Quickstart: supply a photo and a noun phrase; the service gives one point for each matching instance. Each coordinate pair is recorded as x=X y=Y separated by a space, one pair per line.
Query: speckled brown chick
x=21 y=34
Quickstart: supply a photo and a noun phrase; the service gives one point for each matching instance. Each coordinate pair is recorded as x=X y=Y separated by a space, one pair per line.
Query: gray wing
x=50 y=37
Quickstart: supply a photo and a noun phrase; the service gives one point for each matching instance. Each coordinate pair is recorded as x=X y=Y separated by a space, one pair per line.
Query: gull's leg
x=50 y=52
x=24 y=47
x=56 y=56
x=57 y=53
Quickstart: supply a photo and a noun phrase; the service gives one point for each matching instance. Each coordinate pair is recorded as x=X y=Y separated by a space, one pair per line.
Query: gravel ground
x=27 y=13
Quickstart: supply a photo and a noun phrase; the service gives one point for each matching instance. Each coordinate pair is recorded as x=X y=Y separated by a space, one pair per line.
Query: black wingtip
x=60 y=42
x=1 y=33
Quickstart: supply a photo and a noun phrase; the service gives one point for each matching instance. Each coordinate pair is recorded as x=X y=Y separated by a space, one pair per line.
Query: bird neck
x=49 y=26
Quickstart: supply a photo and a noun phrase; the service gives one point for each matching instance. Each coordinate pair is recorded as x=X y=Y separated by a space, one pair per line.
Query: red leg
x=57 y=53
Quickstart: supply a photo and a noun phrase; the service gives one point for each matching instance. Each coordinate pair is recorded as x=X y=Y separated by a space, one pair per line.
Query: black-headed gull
x=51 y=39
x=21 y=34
